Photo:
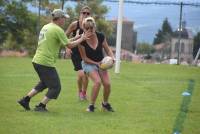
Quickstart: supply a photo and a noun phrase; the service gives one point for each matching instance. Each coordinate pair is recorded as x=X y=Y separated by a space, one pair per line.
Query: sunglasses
x=88 y=28
x=85 y=13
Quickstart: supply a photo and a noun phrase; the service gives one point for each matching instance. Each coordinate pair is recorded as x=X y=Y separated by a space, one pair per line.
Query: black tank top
x=95 y=54
x=77 y=28
x=75 y=51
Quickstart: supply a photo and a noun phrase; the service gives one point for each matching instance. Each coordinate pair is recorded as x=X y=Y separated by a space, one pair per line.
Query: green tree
x=166 y=28
x=163 y=34
x=196 y=45
x=18 y=26
x=3 y=27
x=98 y=9
x=158 y=38
x=98 y=12
x=16 y=19
x=144 y=48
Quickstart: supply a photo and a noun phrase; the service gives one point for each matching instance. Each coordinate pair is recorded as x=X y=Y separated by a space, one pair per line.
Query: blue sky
x=148 y=18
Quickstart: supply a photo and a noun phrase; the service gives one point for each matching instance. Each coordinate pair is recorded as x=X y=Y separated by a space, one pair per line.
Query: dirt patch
x=10 y=53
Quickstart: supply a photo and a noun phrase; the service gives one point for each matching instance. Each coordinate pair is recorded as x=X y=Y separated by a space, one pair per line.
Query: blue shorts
x=87 y=68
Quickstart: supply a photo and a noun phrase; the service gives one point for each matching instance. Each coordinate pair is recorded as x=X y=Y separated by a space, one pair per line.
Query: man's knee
x=54 y=92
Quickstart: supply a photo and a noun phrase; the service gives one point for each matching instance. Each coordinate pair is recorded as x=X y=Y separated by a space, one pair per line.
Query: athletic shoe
x=90 y=108
x=40 y=109
x=24 y=103
x=82 y=96
x=107 y=107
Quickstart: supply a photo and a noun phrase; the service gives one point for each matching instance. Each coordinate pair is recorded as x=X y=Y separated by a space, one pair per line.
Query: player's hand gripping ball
x=107 y=63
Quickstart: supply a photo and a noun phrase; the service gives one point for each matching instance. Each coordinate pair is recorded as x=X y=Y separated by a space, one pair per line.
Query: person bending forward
x=91 y=51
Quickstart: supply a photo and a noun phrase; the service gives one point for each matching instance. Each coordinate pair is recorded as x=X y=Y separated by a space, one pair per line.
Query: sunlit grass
x=147 y=99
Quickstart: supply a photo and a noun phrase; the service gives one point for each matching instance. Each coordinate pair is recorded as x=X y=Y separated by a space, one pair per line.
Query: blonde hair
x=89 y=22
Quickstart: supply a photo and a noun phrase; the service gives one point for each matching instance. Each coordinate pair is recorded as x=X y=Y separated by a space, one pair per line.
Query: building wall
x=129 y=37
x=186 y=49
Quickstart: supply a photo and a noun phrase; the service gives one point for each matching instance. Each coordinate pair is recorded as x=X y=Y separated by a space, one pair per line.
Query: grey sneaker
x=24 y=103
x=40 y=109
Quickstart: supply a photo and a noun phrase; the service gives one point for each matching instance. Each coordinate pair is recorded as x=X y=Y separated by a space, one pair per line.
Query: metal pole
x=180 y=31
x=119 y=36
x=38 y=23
x=63 y=2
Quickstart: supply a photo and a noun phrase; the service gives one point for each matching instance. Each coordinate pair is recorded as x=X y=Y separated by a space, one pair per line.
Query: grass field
x=147 y=99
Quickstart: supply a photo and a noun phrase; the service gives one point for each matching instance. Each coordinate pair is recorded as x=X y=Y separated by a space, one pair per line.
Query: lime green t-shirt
x=51 y=38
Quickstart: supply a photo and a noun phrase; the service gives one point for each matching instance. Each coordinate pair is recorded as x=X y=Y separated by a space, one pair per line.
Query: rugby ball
x=106 y=63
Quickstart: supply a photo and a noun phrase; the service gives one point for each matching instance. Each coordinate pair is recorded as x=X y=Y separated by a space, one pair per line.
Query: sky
x=148 y=19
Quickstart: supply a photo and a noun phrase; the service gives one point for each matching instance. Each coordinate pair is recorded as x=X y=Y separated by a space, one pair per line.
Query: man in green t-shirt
x=51 y=38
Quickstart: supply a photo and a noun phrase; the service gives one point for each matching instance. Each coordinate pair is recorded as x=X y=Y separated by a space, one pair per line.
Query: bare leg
x=45 y=100
x=106 y=84
x=96 y=86
x=79 y=81
x=84 y=83
x=106 y=92
x=32 y=93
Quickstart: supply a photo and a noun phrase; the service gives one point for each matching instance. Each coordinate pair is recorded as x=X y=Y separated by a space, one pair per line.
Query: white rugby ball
x=106 y=63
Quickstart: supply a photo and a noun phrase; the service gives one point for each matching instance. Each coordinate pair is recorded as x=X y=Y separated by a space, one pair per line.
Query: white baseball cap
x=58 y=13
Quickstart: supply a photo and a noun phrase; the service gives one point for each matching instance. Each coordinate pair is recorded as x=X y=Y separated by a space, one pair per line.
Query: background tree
x=17 y=22
x=163 y=34
x=166 y=27
x=98 y=12
x=158 y=39
x=18 y=25
x=196 y=45
x=144 y=48
x=3 y=28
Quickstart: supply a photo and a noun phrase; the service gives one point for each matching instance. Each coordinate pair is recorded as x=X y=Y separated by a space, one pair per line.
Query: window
x=176 y=47
x=182 y=47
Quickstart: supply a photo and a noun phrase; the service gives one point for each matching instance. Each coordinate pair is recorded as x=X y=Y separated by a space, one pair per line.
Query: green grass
x=147 y=99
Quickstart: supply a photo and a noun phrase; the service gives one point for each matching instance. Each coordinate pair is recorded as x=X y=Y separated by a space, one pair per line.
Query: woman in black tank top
x=74 y=27
x=91 y=51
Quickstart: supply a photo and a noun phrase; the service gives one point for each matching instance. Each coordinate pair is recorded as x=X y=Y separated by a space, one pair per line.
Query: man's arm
x=68 y=32
x=76 y=42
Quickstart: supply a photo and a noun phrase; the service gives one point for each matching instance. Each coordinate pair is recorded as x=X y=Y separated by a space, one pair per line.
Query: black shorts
x=48 y=79
x=76 y=60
